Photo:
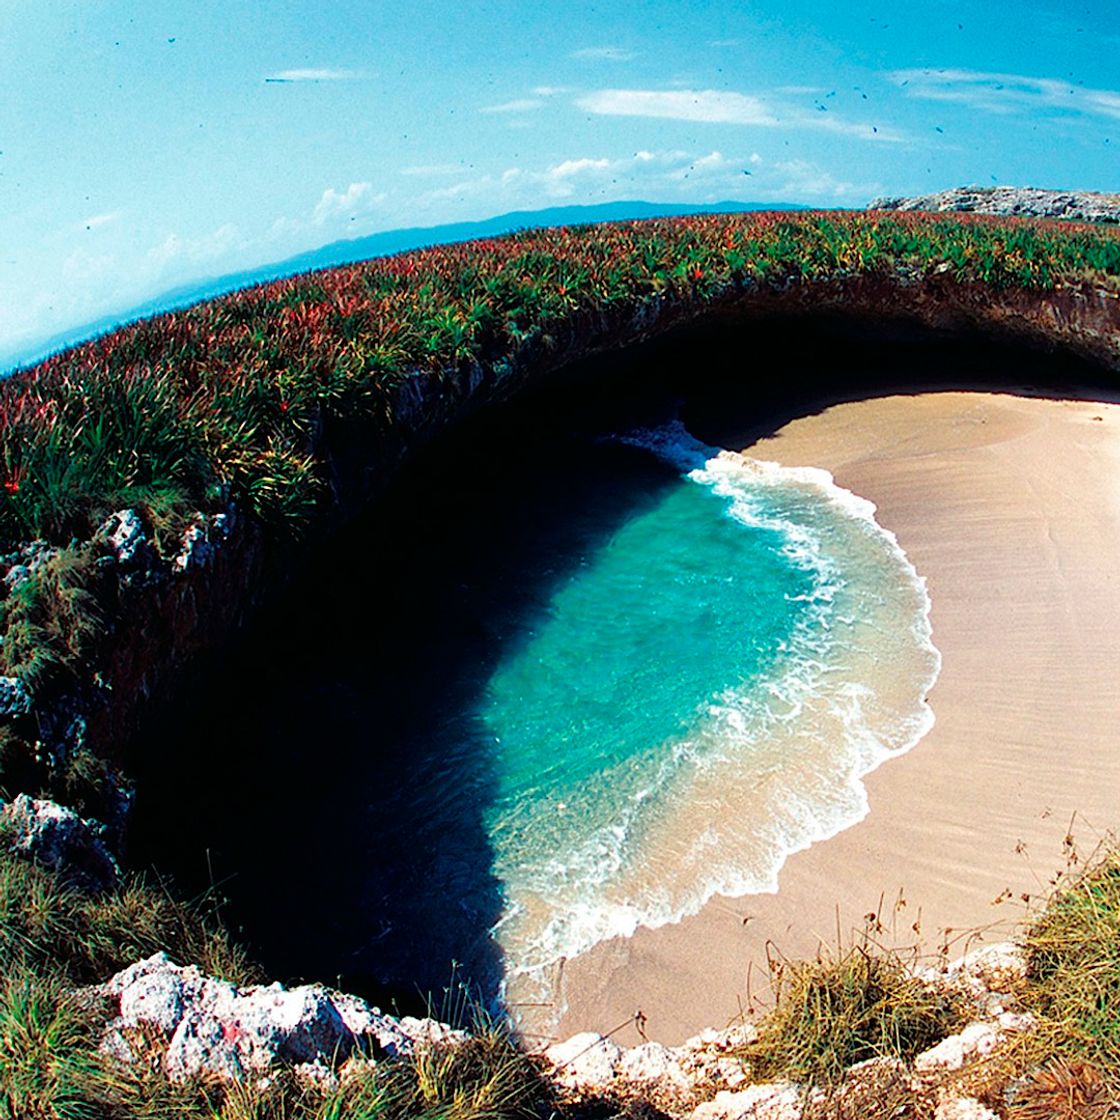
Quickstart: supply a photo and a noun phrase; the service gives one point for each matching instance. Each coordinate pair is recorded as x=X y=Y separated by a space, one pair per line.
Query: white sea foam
x=768 y=768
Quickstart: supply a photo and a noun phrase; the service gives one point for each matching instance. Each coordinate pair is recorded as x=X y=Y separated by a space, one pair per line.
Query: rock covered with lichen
x=60 y=839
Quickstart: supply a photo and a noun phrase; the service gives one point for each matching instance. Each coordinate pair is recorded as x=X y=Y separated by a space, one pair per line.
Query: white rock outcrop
x=704 y=1080
x=209 y=1026
x=964 y=1108
x=124 y=533
x=15 y=699
x=585 y=1063
x=773 y=1101
x=674 y=1079
x=1075 y=206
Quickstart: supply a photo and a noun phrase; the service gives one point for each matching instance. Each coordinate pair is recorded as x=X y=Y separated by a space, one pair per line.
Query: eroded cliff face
x=168 y=613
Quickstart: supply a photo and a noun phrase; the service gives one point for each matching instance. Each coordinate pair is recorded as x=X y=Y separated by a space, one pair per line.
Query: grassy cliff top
x=229 y=398
x=247 y=399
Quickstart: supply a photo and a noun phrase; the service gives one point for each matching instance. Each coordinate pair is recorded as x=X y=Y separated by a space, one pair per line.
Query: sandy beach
x=1009 y=506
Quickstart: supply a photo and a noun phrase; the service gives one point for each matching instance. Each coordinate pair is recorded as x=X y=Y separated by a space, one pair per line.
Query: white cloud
x=313 y=75
x=522 y=105
x=1006 y=93
x=83 y=269
x=96 y=221
x=665 y=175
x=549 y=91
x=572 y=167
x=604 y=54
x=358 y=198
x=195 y=250
x=800 y=179
x=433 y=169
x=713 y=163
x=712 y=106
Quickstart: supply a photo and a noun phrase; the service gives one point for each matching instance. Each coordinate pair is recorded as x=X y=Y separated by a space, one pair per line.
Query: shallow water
x=700 y=700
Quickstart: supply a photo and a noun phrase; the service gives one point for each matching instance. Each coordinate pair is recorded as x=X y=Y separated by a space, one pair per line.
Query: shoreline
x=1006 y=505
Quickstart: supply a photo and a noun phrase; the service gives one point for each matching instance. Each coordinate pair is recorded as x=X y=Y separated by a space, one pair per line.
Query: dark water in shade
x=335 y=772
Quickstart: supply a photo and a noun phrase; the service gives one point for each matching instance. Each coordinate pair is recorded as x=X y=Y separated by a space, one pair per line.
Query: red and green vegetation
x=233 y=394
x=237 y=399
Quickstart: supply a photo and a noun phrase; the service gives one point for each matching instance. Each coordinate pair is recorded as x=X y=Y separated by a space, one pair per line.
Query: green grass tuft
x=45 y=925
x=54 y=619
x=833 y=1013
x=49 y=1069
x=1074 y=966
x=54 y=939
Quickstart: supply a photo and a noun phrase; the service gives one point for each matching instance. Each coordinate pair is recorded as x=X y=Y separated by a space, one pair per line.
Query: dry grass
x=1073 y=973
x=835 y=1012
x=1063 y=1090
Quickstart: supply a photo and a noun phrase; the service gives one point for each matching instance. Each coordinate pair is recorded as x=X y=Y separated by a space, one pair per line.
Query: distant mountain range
x=361 y=248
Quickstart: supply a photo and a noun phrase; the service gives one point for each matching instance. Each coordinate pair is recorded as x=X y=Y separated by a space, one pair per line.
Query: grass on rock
x=54 y=940
x=1073 y=972
x=831 y=1013
x=836 y=1011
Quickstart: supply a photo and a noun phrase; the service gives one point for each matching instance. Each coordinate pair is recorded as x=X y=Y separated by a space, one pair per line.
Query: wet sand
x=1009 y=506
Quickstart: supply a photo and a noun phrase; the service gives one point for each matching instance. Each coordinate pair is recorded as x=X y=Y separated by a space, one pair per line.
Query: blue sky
x=147 y=144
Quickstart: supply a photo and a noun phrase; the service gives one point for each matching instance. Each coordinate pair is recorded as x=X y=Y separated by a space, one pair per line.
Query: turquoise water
x=700 y=699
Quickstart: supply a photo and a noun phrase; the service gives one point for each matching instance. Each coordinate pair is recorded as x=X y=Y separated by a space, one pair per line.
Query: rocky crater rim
x=156 y=1013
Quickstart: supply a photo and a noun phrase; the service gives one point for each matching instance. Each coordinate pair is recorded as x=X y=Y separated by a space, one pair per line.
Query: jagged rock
x=987 y=978
x=992 y=968
x=239 y=1033
x=154 y=995
x=201 y=540
x=21 y=565
x=62 y=727
x=211 y=1026
x=977 y=1039
x=673 y=1079
x=1011 y=1021
x=585 y=1062
x=127 y=539
x=963 y=1108
x=653 y=1065
x=317 y=1074
x=870 y=1085
x=1077 y=206
x=58 y=837
x=15 y=699
x=708 y=1061
x=777 y=1101
x=422 y=1032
